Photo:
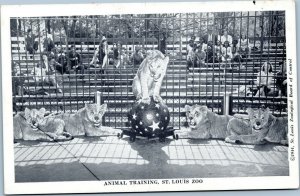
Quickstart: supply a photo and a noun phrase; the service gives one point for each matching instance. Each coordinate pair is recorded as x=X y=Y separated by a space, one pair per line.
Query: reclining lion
x=34 y=125
x=260 y=127
x=205 y=124
x=87 y=121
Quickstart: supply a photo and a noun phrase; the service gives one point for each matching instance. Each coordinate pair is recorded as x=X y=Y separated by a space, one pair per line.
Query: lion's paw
x=139 y=97
x=146 y=100
x=157 y=98
x=284 y=142
x=230 y=140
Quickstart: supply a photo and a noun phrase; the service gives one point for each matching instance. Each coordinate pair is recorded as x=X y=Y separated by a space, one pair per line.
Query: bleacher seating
x=198 y=85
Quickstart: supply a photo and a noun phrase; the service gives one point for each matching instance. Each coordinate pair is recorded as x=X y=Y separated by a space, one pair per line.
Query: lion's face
x=196 y=115
x=258 y=118
x=95 y=113
x=157 y=64
x=35 y=117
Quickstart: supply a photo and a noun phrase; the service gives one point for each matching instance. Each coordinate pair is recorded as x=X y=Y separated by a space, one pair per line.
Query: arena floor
x=107 y=158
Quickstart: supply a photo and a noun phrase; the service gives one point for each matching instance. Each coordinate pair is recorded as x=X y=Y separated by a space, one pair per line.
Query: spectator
x=48 y=43
x=191 y=47
x=191 y=44
x=75 y=61
x=62 y=59
x=101 y=54
x=117 y=54
x=137 y=57
x=225 y=37
x=281 y=80
x=209 y=50
x=41 y=74
x=54 y=65
x=125 y=57
x=243 y=46
x=264 y=79
x=218 y=52
x=200 y=56
x=162 y=43
x=18 y=80
x=210 y=37
x=31 y=43
x=226 y=53
x=257 y=43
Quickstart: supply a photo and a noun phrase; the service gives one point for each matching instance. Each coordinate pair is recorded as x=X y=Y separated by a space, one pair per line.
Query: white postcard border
x=230 y=183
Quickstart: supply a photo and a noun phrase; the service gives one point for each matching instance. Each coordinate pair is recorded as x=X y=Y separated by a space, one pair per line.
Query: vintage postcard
x=146 y=97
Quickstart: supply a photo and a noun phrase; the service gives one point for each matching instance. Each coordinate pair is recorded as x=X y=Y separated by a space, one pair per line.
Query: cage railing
x=201 y=71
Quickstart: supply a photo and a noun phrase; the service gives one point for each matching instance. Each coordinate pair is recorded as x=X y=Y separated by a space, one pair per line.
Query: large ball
x=149 y=120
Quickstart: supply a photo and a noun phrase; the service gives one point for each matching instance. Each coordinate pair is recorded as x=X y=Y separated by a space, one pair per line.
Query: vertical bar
x=248 y=56
x=18 y=41
x=253 y=67
x=19 y=64
x=41 y=60
x=54 y=64
x=62 y=50
x=81 y=94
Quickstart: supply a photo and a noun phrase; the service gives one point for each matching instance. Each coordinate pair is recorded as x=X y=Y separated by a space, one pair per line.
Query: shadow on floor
x=74 y=171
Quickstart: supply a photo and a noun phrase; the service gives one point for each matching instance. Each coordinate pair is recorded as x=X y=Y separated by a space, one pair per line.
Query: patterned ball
x=149 y=120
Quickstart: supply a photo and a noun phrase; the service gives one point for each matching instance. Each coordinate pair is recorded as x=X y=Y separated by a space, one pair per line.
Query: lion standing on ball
x=149 y=77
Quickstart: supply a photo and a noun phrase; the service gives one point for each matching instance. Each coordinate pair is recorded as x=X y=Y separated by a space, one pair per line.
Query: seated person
x=200 y=56
x=191 y=44
x=209 y=49
x=100 y=57
x=18 y=80
x=226 y=52
x=125 y=60
x=31 y=42
x=62 y=59
x=54 y=65
x=48 y=43
x=281 y=80
x=191 y=47
x=41 y=74
x=243 y=46
x=117 y=57
x=264 y=80
x=137 y=57
x=226 y=37
x=75 y=61
x=218 y=52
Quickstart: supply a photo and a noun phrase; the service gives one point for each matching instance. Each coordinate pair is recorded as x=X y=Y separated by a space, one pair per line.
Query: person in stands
x=191 y=47
x=31 y=43
x=264 y=80
x=243 y=46
x=48 y=43
x=281 y=80
x=42 y=74
x=226 y=53
x=100 y=57
x=75 y=61
x=62 y=59
x=137 y=57
x=226 y=37
x=117 y=51
x=54 y=62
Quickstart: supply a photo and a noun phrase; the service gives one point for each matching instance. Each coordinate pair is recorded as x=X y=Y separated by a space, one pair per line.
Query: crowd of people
x=56 y=60
x=214 y=48
x=64 y=62
x=210 y=48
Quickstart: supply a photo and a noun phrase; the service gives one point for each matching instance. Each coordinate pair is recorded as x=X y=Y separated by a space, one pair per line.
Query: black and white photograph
x=149 y=97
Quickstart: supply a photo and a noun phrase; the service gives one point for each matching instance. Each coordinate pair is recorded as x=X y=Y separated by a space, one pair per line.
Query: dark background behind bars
x=210 y=84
